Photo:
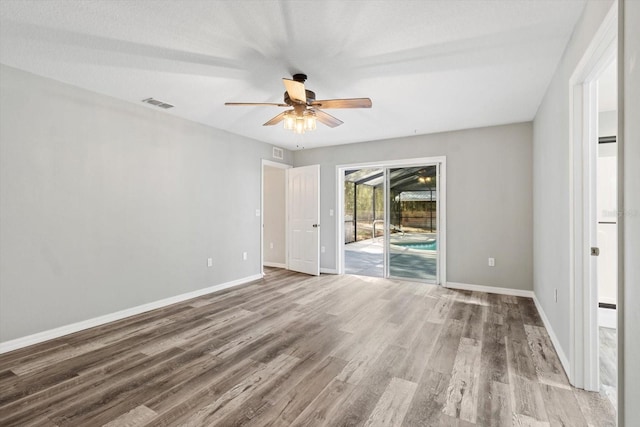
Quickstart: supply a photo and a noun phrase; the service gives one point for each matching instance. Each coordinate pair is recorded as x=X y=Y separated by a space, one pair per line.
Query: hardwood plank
x=174 y=403
x=494 y=353
x=530 y=315
x=448 y=421
x=138 y=416
x=546 y=362
x=366 y=394
x=324 y=408
x=462 y=393
x=526 y=421
x=526 y=395
x=494 y=376
x=526 y=399
x=393 y=404
x=428 y=400
x=561 y=406
x=233 y=398
x=520 y=358
x=446 y=347
x=597 y=409
x=286 y=406
x=475 y=320
x=413 y=317
x=419 y=352
x=440 y=312
x=499 y=411
x=361 y=362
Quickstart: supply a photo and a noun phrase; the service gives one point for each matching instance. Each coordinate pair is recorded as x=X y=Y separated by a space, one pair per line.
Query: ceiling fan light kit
x=305 y=110
x=300 y=123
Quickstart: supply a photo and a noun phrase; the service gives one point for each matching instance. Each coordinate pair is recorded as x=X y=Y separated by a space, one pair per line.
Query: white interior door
x=304 y=219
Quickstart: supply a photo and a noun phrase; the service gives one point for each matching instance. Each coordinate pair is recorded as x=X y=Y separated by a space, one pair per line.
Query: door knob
x=595 y=251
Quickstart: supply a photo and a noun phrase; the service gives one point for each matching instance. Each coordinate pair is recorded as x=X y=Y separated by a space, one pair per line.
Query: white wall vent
x=278 y=153
x=157 y=103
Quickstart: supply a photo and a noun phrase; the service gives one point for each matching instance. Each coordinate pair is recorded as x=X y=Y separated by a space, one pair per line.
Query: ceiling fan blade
x=343 y=103
x=277 y=119
x=295 y=90
x=327 y=119
x=253 y=104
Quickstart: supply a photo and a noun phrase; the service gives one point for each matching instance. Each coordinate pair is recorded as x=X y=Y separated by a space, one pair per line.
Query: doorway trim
x=442 y=205
x=286 y=203
x=583 y=331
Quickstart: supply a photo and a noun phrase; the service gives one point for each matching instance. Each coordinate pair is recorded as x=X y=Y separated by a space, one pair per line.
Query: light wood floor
x=298 y=350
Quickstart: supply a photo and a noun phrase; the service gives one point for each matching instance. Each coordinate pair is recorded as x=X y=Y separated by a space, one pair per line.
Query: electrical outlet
x=322 y=249
x=244 y=256
x=330 y=212
x=257 y=212
x=271 y=245
x=492 y=262
x=209 y=262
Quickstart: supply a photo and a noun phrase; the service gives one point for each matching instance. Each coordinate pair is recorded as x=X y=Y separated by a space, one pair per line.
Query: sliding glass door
x=412 y=249
x=391 y=221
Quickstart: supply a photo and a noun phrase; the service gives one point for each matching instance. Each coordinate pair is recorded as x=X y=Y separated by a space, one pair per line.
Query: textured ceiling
x=428 y=66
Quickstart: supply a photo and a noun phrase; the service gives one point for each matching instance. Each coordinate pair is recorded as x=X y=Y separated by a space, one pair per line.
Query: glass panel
x=349 y=210
x=413 y=246
x=364 y=222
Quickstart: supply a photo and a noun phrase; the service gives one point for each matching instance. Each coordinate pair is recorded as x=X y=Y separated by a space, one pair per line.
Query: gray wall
x=551 y=169
x=274 y=215
x=106 y=205
x=631 y=219
x=489 y=197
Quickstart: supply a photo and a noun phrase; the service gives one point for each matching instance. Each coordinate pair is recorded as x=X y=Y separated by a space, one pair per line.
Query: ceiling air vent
x=278 y=153
x=157 y=103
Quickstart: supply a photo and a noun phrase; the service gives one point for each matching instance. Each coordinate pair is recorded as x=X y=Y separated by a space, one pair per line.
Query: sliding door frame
x=441 y=162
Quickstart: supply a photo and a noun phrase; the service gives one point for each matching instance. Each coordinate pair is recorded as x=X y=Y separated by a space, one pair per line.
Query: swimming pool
x=430 y=245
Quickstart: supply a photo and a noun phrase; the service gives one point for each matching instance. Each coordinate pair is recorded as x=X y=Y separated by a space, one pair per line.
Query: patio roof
x=402 y=179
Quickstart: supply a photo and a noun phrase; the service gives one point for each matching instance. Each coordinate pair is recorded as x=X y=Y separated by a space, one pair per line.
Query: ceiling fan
x=305 y=109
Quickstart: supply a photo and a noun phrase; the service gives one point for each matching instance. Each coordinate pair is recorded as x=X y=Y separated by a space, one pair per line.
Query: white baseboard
x=328 y=271
x=608 y=318
x=274 y=264
x=564 y=360
x=490 y=289
x=101 y=320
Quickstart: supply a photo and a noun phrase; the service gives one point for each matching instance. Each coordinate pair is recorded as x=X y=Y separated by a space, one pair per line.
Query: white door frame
x=583 y=351
x=442 y=205
x=286 y=236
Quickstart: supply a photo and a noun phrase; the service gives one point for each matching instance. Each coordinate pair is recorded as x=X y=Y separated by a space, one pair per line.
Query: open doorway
x=274 y=207
x=607 y=230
